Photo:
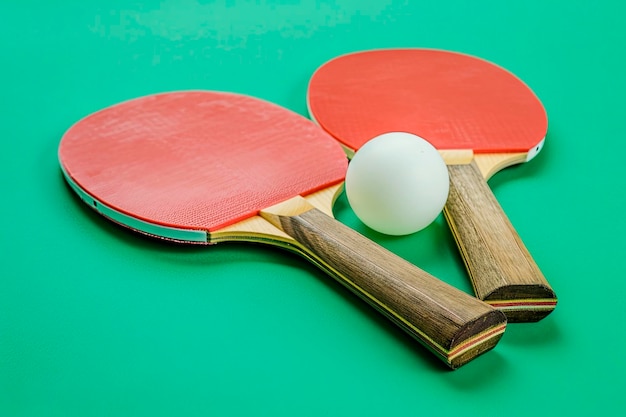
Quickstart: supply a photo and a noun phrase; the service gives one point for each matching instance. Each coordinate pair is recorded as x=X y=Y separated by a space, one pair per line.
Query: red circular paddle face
x=455 y=101
x=198 y=160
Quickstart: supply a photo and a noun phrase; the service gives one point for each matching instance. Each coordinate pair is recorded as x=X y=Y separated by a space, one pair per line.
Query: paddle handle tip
x=450 y=323
x=501 y=268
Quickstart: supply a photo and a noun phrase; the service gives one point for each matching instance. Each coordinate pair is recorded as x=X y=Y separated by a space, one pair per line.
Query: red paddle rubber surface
x=198 y=159
x=453 y=100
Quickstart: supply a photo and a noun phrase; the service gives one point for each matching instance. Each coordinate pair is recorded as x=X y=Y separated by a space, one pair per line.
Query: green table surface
x=97 y=321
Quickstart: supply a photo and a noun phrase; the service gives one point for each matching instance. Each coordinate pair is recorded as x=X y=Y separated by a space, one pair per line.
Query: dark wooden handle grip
x=502 y=270
x=454 y=325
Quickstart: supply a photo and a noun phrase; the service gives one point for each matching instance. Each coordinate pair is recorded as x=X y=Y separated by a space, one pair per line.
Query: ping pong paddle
x=205 y=167
x=481 y=118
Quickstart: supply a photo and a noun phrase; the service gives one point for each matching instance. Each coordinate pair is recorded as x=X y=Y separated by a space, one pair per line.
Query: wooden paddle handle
x=502 y=270
x=454 y=325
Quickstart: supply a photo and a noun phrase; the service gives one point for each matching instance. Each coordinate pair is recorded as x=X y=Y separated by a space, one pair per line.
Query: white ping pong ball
x=397 y=183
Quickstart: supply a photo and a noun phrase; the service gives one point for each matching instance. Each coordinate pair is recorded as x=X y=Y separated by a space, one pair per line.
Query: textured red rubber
x=198 y=159
x=455 y=101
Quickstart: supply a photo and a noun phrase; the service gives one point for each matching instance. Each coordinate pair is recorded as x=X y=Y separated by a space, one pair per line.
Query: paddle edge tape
x=141 y=226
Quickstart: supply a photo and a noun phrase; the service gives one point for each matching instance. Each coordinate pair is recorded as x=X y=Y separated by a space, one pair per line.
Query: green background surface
x=96 y=321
